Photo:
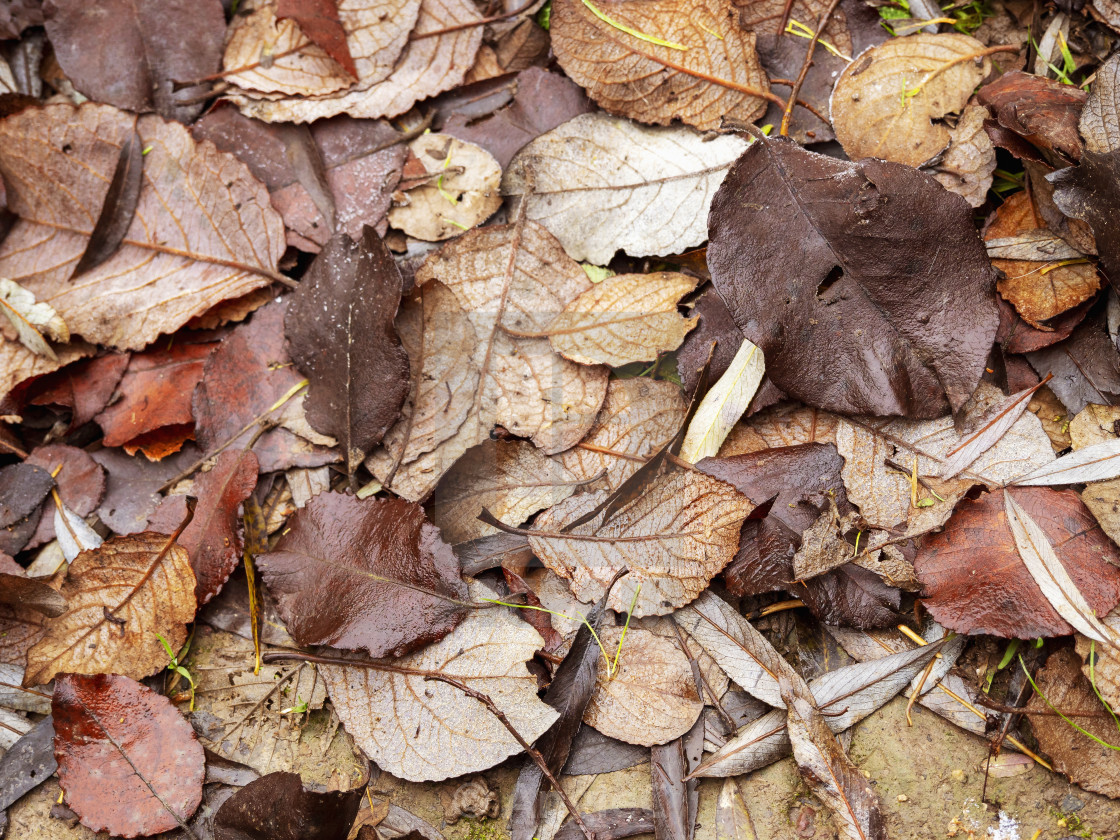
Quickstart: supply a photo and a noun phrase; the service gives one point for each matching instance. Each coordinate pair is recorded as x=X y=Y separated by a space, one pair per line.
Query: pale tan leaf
x=428 y=65
x=601 y=184
x=652 y=697
x=639 y=416
x=1094 y=425
x=623 y=318
x=674 y=538
x=204 y=230
x=1051 y=576
x=789 y=424
x=511 y=479
x=425 y=730
x=709 y=69
x=724 y=404
x=286 y=61
x=121 y=595
x=31 y=319
x=733 y=818
x=991 y=426
x=968 y=164
x=74 y=535
x=711 y=674
x=1102 y=663
x=462 y=192
x=889 y=102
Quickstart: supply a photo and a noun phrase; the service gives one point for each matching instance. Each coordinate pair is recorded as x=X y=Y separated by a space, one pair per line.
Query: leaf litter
x=567 y=418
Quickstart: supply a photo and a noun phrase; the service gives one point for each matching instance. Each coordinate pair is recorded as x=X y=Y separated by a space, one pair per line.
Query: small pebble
x=959 y=775
x=902 y=797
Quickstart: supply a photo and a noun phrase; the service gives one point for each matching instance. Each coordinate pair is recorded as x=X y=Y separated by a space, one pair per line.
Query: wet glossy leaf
x=1044 y=112
x=279 y=807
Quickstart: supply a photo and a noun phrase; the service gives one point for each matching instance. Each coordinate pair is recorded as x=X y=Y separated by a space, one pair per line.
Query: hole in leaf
x=835 y=274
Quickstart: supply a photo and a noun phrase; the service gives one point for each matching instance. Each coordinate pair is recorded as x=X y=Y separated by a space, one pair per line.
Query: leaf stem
x=787 y=115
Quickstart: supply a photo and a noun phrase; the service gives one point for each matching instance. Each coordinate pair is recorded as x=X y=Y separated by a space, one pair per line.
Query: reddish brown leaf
x=80 y=481
x=85 y=386
x=370 y=574
x=129 y=763
x=155 y=391
x=974 y=580
x=279 y=807
x=20 y=630
x=340 y=333
x=1044 y=112
x=23 y=592
x=319 y=21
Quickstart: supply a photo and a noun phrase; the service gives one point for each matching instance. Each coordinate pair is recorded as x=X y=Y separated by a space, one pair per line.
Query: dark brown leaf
x=130 y=53
x=131 y=495
x=319 y=21
x=27 y=763
x=1086 y=366
x=1100 y=119
x=84 y=386
x=340 y=333
x=612 y=824
x=80 y=481
x=129 y=762
x=593 y=752
x=1090 y=192
x=22 y=490
x=1044 y=112
x=974 y=580
x=675 y=801
x=118 y=209
x=811 y=255
x=279 y=807
x=27 y=593
x=370 y=574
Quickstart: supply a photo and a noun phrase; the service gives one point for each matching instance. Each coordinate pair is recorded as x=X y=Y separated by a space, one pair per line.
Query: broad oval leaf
x=425 y=730
x=649 y=62
x=370 y=574
x=811 y=255
x=278 y=807
x=129 y=763
x=121 y=595
x=674 y=538
x=601 y=185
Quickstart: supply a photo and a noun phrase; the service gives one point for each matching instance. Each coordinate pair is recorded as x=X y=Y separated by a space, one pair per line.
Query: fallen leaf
x=1099 y=123
x=74 y=535
x=85 y=387
x=20 y=630
x=611 y=824
x=319 y=21
x=886 y=102
x=1044 y=112
x=676 y=801
x=174 y=263
x=652 y=698
x=428 y=65
x=144 y=581
x=80 y=483
x=724 y=404
x=651 y=64
x=130 y=774
x=1086 y=762
x=19 y=365
x=27 y=762
x=601 y=184
x=674 y=538
x=132 y=485
x=131 y=54
x=1087 y=192
x=968 y=164
x=595 y=753
x=1085 y=366
x=511 y=479
x=1091 y=427
x=118 y=210
x=974 y=578
x=424 y=730
x=22 y=490
x=155 y=392
x=991 y=427
x=460 y=192
x=638 y=418
x=787 y=222
x=23 y=592
x=369 y=574
x=31 y=319
x=733 y=818
x=340 y=333
x=279 y=807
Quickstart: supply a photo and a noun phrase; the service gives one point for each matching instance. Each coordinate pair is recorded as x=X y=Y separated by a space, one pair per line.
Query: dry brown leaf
x=1037 y=290
x=705 y=67
x=31 y=319
x=511 y=479
x=790 y=424
x=287 y=62
x=425 y=730
x=886 y=102
x=970 y=160
x=1093 y=425
x=427 y=66
x=461 y=192
x=1101 y=664
x=674 y=538
x=121 y=595
x=638 y=417
x=651 y=698
x=623 y=318
x=204 y=230
x=515 y=279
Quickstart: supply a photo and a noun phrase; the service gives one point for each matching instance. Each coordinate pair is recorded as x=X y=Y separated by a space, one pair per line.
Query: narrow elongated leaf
x=675 y=800
x=612 y=824
x=1051 y=576
x=117 y=210
x=340 y=332
x=28 y=593
x=993 y=426
x=724 y=404
x=27 y=763
x=1098 y=462
x=733 y=819
x=31 y=319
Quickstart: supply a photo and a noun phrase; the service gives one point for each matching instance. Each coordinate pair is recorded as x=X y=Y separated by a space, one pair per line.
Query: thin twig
x=484 y=699
x=787 y=115
x=471 y=24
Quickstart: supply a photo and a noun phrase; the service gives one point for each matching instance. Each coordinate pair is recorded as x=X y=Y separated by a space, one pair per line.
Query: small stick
x=805 y=65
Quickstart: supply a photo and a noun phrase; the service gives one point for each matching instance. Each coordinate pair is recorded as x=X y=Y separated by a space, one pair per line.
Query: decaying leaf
x=650 y=63
x=652 y=698
x=80 y=482
x=340 y=333
x=1088 y=192
x=129 y=763
x=23 y=592
x=968 y=163
x=724 y=404
x=733 y=818
x=426 y=730
x=674 y=538
x=809 y=253
x=460 y=192
x=1093 y=427
x=369 y=574
x=1100 y=118
x=1044 y=112
x=279 y=807
x=886 y=102
x=121 y=595
x=601 y=185
x=33 y=321
x=1086 y=367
